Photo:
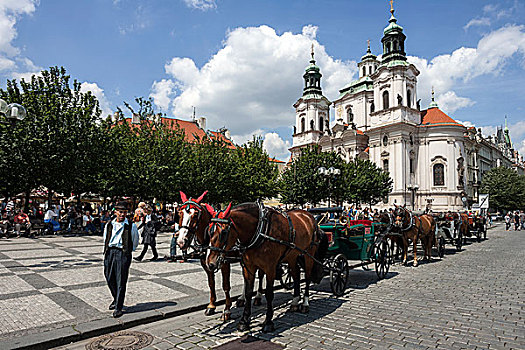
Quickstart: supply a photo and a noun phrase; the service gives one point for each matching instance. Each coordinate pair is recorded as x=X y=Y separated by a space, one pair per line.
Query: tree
x=366 y=182
x=56 y=145
x=505 y=187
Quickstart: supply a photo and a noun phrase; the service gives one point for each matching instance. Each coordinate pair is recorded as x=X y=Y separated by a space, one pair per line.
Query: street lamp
x=12 y=113
x=413 y=189
x=329 y=173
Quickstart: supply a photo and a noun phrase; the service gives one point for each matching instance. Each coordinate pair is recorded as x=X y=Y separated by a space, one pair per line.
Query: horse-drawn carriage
x=477 y=226
x=355 y=240
x=448 y=231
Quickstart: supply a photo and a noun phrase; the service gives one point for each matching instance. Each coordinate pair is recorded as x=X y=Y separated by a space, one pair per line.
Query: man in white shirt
x=121 y=237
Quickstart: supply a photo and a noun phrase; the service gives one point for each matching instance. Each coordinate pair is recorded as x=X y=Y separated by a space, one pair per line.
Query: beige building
x=434 y=161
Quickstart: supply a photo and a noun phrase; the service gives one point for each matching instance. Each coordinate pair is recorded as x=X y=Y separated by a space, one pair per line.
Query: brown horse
x=266 y=237
x=386 y=218
x=194 y=219
x=415 y=228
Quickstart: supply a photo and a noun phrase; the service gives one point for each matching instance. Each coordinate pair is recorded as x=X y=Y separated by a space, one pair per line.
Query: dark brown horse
x=266 y=237
x=194 y=219
x=386 y=218
x=415 y=228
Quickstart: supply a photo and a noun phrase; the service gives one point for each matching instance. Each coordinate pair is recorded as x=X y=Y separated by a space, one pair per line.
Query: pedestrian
x=148 y=235
x=507 y=221
x=5 y=224
x=522 y=220
x=516 y=221
x=22 y=221
x=120 y=239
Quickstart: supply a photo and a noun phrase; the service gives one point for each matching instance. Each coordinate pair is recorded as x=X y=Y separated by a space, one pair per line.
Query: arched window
x=439 y=175
x=385 y=164
x=350 y=115
x=385 y=100
x=364 y=71
x=321 y=124
x=370 y=70
x=388 y=47
x=372 y=107
x=302 y=125
x=395 y=46
x=409 y=98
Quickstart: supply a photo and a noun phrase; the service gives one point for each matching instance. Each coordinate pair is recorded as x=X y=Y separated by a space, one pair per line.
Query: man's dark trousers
x=116 y=271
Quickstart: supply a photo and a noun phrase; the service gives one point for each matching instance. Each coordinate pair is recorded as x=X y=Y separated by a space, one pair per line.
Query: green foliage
x=56 y=144
x=359 y=181
x=505 y=187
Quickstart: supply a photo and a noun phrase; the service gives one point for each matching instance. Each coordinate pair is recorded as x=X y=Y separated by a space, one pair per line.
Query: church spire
x=312 y=77
x=393 y=40
x=433 y=104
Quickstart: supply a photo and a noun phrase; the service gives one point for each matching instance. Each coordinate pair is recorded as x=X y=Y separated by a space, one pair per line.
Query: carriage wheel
x=441 y=247
x=382 y=258
x=286 y=277
x=339 y=275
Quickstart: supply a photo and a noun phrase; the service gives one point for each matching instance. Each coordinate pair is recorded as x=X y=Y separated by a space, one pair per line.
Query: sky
x=240 y=62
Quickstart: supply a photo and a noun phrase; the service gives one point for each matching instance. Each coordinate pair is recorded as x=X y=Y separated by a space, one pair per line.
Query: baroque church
x=435 y=162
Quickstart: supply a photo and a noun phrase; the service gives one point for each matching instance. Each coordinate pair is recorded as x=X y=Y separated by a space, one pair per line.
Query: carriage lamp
x=13 y=112
x=329 y=173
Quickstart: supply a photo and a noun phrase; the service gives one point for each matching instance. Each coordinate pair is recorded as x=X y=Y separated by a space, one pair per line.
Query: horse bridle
x=223 y=239
x=192 y=230
x=411 y=220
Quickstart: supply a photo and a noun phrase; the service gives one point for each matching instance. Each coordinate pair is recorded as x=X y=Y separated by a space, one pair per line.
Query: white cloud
x=276 y=146
x=242 y=139
x=483 y=21
x=253 y=80
x=162 y=93
x=98 y=92
x=10 y=11
x=450 y=102
x=489 y=57
x=202 y=5
x=6 y=63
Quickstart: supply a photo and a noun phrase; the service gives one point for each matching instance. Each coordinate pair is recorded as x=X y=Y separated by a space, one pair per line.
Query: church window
x=385 y=164
x=370 y=70
x=302 y=125
x=321 y=124
x=439 y=175
x=312 y=125
x=409 y=98
x=350 y=115
x=411 y=166
x=385 y=140
x=386 y=97
x=395 y=46
x=364 y=71
x=372 y=107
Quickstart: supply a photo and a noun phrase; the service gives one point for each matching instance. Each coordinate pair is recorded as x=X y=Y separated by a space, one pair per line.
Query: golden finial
x=392 y=7
x=312 y=51
x=432 y=92
x=368 y=42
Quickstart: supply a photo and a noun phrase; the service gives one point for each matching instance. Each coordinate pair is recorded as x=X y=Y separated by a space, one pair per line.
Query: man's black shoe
x=137 y=259
x=112 y=306
x=117 y=313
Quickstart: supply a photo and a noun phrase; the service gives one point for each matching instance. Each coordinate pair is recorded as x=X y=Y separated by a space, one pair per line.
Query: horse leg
x=225 y=269
x=249 y=280
x=295 y=271
x=405 y=250
x=308 y=265
x=210 y=309
x=415 y=251
x=257 y=300
x=268 y=323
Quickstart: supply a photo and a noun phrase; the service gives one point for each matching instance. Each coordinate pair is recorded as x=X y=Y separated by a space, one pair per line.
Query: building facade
x=434 y=161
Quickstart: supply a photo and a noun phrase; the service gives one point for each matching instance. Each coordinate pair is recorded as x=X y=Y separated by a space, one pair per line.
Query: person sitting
x=87 y=223
x=5 y=224
x=22 y=221
x=49 y=219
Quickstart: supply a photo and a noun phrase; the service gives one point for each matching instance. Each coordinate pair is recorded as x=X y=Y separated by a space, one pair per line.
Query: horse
x=194 y=219
x=266 y=237
x=415 y=227
x=387 y=219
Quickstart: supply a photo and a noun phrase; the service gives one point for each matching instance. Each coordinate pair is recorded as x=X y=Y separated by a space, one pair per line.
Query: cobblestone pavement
x=54 y=282
x=469 y=300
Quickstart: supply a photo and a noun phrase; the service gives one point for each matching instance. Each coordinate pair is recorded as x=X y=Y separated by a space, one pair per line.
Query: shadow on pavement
x=140 y=307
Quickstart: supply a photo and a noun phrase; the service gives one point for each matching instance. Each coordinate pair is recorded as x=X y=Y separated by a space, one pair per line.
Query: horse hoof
x=243 y=326
x=294 y=308
x=209 y=311
x=226 y=316
x=415 y=263
x=239 y=303
x=257 y=302
x=268 y=327
x=305 y=309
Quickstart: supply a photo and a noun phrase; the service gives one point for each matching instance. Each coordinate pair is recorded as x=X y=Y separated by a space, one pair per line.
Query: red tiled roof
x=436 y=117
x=274 y=160
x=367 y=149
x=220 y=136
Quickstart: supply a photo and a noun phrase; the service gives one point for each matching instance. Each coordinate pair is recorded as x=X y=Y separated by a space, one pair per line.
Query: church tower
x=311 y=110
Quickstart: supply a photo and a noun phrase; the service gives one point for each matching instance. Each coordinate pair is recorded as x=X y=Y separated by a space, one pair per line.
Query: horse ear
x=210 y=209
x=183 y=197
x=226 y=213
x=201 y=197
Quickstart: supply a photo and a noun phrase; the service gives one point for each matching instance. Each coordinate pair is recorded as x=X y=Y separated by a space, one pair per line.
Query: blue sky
x=241 y=62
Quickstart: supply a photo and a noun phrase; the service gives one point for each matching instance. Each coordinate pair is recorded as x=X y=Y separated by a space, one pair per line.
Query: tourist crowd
x=517 y=218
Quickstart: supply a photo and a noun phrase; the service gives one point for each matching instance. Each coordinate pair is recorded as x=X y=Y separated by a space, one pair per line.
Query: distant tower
x=312 y=110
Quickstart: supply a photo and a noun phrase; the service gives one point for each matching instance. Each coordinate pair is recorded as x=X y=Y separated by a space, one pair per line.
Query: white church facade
x=434 y=161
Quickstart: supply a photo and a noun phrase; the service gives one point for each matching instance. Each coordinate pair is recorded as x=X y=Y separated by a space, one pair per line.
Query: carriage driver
x=121 y=237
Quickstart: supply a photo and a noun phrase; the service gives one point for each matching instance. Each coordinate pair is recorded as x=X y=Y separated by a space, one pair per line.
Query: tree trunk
x=26 y=204
x=49 y=199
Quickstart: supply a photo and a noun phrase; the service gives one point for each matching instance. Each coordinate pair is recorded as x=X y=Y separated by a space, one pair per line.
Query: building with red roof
x=435 y=162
